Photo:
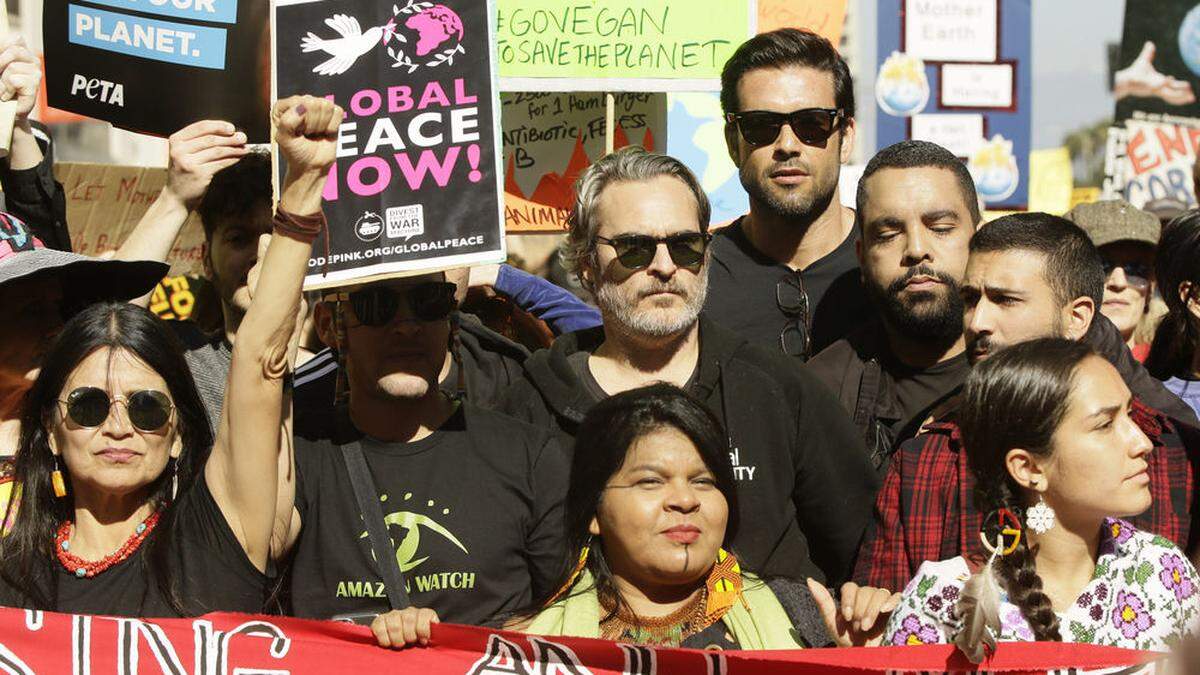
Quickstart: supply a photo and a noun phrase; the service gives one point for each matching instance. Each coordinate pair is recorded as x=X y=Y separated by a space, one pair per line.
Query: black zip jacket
x=805 y=485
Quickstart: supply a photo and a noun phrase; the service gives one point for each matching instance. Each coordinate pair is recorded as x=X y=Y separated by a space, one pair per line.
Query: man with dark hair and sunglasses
x=916 y=212
x=785 y=276
x=472 y=499
x=638 y=241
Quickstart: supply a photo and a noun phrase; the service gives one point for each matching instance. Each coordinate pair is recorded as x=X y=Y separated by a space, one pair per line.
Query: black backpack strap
x=367 y=497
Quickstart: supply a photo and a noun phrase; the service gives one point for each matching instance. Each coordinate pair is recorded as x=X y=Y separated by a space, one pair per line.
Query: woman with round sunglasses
x=1058 y=461
x=127 y=504
x=650 y=511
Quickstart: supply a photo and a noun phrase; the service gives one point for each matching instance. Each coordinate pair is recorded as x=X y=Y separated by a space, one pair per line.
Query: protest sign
x=1151 y=161
x=823 y=17
x=46 y=642
x=957 y=73
x=416 y=185
x=550 y=138
x=1051 y=180
x=156 y=66
x=105 y=202
x=1157 y=75
x=618 y=45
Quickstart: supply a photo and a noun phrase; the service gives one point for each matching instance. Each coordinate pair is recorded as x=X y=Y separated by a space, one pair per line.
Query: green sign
x=561 y=45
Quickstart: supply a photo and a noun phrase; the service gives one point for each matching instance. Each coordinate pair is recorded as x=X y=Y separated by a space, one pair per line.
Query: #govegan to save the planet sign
x=416 y=185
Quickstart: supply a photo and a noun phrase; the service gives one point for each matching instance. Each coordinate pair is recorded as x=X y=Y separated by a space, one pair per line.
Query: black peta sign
x=156 y=66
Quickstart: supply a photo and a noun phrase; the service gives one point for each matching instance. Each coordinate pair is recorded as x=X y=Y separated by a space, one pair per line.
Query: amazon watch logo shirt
x=425 y=548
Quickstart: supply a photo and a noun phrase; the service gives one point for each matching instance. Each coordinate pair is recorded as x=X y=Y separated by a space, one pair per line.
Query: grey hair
x=631 y=163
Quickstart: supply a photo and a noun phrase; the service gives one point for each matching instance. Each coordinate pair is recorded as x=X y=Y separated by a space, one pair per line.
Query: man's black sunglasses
x=636 y=251
x=813 y=126
x=378 y=305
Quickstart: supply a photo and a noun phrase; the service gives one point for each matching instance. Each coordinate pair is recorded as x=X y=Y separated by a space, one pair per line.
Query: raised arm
x=243 y=472
x=197 y=152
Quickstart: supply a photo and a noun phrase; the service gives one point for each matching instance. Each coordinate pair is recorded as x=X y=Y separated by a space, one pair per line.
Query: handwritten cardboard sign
x=618 y=45
x=550 y=138
x=823 y=17
x=1155 y=161
x=105 y=202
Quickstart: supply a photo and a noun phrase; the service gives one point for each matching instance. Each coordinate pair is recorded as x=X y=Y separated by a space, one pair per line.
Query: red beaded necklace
x=84 y=568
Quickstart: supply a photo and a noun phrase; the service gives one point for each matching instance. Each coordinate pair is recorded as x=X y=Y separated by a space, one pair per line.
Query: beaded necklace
x=87 y=569
x=664 y=631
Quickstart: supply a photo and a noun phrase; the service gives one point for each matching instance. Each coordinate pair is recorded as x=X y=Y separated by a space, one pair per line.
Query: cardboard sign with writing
x=823 y=17
x=105 y=202
x=1157 y=163
x=416 y=185
x=550 y=138
x=156 y=67
x=619 y=45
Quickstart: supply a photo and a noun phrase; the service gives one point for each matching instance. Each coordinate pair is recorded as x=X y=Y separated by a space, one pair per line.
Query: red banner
x=221 y=644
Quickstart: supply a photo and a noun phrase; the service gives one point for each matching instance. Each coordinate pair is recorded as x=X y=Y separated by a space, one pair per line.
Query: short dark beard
x=799 y=214
x=943 y=319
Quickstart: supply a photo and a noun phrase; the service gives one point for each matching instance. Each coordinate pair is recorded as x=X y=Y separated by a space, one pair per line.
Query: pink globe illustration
x=435 y=26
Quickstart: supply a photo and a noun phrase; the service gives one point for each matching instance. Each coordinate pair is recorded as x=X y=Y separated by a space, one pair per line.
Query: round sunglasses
x=813 y=126
x=147 y=409
x=636 y=251
x=377 y=305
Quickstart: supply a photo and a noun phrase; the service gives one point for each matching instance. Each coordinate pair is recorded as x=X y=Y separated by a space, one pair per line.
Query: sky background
x=1070 y=65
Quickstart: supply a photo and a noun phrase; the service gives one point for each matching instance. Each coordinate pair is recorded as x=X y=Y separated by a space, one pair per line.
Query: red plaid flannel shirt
x=926 y=508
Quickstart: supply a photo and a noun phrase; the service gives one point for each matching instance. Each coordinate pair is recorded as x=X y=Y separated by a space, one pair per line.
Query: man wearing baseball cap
x=40 y=288
x=1127 y=238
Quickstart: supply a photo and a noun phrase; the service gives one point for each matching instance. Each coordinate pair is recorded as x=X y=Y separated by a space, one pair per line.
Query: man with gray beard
x=638 y=241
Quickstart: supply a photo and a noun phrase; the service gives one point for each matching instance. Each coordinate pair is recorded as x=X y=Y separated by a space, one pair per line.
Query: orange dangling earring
x=56 y=480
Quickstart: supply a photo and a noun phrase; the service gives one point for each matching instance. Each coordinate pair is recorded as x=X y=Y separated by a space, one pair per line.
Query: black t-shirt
x=918 y=390
x=741 y=291
x=474 y=511
x=211 y=570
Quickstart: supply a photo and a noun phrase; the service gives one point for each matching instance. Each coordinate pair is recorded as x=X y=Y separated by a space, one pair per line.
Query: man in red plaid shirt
x=1029 y=275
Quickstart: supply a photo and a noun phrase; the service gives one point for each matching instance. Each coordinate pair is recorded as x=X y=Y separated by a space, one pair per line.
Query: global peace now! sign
x=416 y=185
x=223 y=644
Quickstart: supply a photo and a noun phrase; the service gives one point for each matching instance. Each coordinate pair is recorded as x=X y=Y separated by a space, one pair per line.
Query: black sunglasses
x=636 y=251
x=813 y=126
x=1136 y=273
x=148 y=410
x=792 y=298
x=377 y=305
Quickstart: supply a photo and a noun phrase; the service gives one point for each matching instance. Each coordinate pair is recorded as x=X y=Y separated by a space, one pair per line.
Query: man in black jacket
x=638 y=243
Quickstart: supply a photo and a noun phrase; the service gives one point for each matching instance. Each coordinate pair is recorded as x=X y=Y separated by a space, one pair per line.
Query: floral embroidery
x=1174 y=576
x=1144 y=594
x=1014 y=622
x=914 y=632
x=1129 y=615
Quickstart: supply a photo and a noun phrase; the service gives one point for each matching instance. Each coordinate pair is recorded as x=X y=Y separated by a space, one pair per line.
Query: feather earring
x=979 y=608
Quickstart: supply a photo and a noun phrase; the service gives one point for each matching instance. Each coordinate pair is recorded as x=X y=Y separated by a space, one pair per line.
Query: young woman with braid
x=1058 y=462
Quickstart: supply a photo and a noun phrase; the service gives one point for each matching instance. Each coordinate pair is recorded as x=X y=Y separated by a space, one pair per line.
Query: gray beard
x=642 y=325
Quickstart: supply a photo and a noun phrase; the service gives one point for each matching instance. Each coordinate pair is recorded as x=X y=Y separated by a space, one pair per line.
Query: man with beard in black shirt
x=917 y=210
x=785 y=276
x=471 y=500
x=638 y=241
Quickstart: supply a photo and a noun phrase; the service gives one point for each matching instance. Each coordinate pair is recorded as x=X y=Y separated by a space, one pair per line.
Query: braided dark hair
x=1016 y=399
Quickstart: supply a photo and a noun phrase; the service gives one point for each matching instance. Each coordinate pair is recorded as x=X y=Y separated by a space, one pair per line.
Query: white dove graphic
x=346 y=49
